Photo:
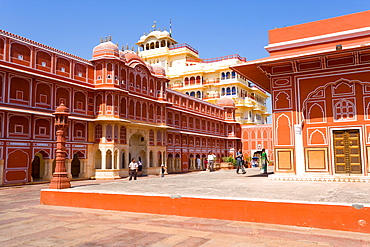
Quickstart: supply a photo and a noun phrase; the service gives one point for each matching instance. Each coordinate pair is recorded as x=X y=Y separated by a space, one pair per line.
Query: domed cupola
x=105 y=49
x=229 y=106
x=132 y=58
x=159 y=70
x=226 y=102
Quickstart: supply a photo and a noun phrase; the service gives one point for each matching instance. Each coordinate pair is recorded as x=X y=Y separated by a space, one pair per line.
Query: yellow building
x=207 y=79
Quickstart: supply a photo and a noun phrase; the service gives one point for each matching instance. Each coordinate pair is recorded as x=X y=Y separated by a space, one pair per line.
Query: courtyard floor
x=24 y=222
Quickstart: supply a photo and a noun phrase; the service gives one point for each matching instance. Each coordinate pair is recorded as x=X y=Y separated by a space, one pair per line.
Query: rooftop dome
x=106 y=49
x=159 y=70
x=131 y=55
x=226 y=102
x=158 y=34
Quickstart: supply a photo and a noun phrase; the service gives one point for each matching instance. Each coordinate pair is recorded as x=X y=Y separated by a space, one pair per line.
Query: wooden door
x=347 y=151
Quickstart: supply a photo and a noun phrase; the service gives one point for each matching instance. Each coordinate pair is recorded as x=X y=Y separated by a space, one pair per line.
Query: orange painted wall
x=336 y=217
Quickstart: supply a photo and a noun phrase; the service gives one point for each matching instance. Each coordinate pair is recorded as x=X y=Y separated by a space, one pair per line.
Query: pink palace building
x=120 y=109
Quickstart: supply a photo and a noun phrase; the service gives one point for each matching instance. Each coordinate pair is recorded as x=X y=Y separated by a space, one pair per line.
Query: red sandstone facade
x=120 y=108
x=255 y=138
x=318 y=76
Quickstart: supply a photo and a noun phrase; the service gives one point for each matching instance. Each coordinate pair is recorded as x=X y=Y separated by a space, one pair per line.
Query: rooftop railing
x=218 y=59
x=178 y=46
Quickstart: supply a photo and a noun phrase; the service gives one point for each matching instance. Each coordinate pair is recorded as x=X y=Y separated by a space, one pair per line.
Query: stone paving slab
x=24 y=222
x=226 y=184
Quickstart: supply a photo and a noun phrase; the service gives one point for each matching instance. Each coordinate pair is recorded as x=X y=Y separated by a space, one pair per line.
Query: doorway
x=347 y=151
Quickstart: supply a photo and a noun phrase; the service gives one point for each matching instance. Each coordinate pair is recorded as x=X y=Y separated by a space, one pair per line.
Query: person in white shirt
x=198 y=164
x=211 y=161
x=133 y=169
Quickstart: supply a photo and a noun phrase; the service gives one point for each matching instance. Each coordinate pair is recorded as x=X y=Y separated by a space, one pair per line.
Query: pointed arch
x=283 y=130
x=316 y=137
x=316 y=114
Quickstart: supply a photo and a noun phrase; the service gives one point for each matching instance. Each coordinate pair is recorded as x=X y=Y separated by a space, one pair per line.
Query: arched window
x=192 y=94
x=228 y=91
x=109 y=132
x=198 y=79
x=199 y=95
x=98 y=133
x=223 y=91
x=223 y=76
x=233 y=75
x=227 y=75
x=192 y=80
x=344 y=110
x=233 y=90
x=122 y=135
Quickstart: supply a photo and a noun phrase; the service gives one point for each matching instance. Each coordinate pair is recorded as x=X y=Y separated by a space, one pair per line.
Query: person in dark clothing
x=239 y=161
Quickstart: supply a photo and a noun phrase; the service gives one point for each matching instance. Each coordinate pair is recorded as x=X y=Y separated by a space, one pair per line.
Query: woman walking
x=264 y=162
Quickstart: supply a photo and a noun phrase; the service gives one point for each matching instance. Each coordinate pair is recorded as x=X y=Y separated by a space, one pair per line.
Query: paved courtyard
x=24 y=222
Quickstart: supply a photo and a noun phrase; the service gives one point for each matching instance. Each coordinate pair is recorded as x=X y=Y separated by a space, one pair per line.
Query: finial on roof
x=126 y=46
x=117 y=44
x=170 y=27
x=123 y=48
x=106 y=38
x=101 y=39
x=154 y=25
x=132 y=48
x=110 y=37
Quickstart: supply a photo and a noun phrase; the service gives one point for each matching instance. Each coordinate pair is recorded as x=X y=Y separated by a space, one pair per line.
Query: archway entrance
x=137 y=148
x=98 y=158
x=38 y=165
x=75 y=166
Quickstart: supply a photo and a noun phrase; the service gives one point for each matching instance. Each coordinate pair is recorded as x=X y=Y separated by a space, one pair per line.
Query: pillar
x=298 y=148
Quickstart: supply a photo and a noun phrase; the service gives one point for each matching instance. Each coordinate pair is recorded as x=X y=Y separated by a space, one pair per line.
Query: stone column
x=103 y=159
x=298 y=148
x=1 y=172
x=60 y=178
x=82 y=168
x=48 y=169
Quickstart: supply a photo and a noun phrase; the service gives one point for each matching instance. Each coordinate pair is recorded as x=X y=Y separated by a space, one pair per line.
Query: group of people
x=135 y=168
x=240 y=161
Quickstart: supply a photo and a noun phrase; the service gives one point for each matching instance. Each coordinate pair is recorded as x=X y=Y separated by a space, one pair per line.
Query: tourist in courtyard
x=254 y=162
x=205 y=163
x=239 y=161
x=163 y=170
x=264 y=161
x=211 y=161
x=140 y=167
x=199 y=163
x=133 y=167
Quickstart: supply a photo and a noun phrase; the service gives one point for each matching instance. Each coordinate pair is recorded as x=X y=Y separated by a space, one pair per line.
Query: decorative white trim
x=318 y=39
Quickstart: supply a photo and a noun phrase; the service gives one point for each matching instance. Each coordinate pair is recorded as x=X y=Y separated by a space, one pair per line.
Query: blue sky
x=213 y=27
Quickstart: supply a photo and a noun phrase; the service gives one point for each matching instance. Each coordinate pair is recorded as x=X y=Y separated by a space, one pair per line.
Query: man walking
x=133 y=166
x=239 y=161
x=211 y=161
